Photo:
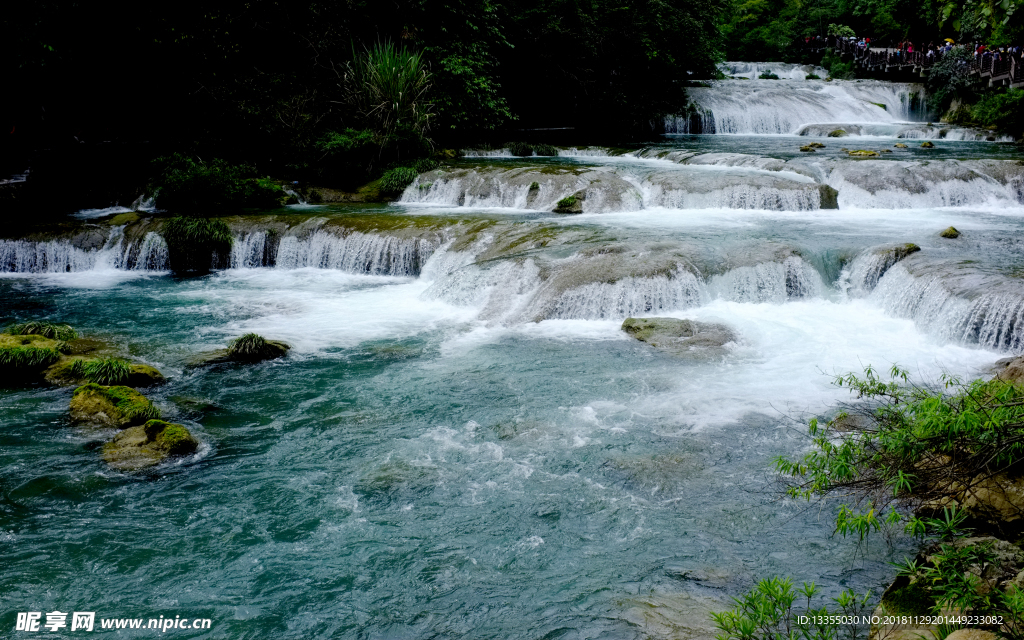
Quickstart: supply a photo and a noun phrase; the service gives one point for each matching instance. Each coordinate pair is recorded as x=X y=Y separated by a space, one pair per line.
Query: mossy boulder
x=76 y=370
x=816 y=145
x=927 y=145
x=571 y=204
x=862 y=153
x=950 y=233
x=680 y=337
x=23 y=358
x=118 y=406
x=807 y=149
x=837 y=133
x=900 y=145
x=829 y=197
x=250 y=348
x=143 y=446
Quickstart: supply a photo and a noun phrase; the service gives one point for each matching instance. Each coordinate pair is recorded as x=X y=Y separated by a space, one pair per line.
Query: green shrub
x=545 y=150
x=843 y=71
x=396 y=180
x=768 y=75
x=106 y=371
x=519 y=149
x=567 y=202
x=1003 y=111
x=193 y=186
x=193 y=242
x=841 y=31
x=918 y=445
x=812 y=76
x=45 y=329
x=424 y=165
x=387 y=88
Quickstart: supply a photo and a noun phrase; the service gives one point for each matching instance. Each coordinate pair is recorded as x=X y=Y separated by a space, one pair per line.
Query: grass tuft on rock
x=107 y=371
x=252 y=347
x=46 y=329
x=27 y=358
x=192 y=242
x=395 y=180
x=132 y=405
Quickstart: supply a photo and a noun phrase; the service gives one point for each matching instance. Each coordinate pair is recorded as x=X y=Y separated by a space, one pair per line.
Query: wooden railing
x=997 y=68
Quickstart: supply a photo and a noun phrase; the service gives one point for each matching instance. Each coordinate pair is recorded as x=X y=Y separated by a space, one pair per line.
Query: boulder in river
x=571 y=204
x=680 y=337
x=927 y=144
x=950 y=233
x=139 y=447
x=23 y=358
x=837 y=133
x=829 y=197
x=116 y=406
x=249 y=348
x=77 y=370
x=900 y=145
x=807 y=149
x=862 y=153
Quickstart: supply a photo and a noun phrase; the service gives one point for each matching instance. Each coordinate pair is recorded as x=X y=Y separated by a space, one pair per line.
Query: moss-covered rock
x=900 y=145
x=950 y=233
x=571 y=204
x=249 y=348
x=927 y=145
x=139 y=447
x=862 y=153
x=837 y=133
x=117 y=406
x=680 y=337
x=77 y=370
x=816 y=145
x=829 y=197
x=23 y=358
x=807 y=149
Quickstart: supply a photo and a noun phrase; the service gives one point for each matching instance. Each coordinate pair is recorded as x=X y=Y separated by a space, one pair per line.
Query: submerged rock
x=807 y=149
x=950 y=233
x=862 y=153
x=136 y=448
x=680 y=337
x=117 y=406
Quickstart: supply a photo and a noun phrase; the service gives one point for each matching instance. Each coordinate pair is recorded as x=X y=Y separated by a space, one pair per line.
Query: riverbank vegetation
x=927 y=462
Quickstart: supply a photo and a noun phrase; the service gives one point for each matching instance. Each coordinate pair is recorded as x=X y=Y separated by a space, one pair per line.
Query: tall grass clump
x=105 y=371
x=387 y=87
x=46 y=329
x=193 y=243
x=397 y=179
x=27 y=358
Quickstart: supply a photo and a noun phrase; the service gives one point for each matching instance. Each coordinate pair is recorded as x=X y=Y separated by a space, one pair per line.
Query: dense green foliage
x=195 y=244
x=191 y=185
x=1002 y=110
x=917 y=445
x=773 y=611
x=396 y=180
x=46 y=329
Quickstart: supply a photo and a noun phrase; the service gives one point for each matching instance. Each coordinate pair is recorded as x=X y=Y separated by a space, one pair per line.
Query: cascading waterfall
x=62 y=256
x=994 y=319
x=769 y=282
x=629 y=297
x=356 y=252
x=785 y=70
x=775 y=107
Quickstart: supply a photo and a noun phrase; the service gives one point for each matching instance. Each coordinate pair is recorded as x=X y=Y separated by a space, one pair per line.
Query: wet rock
x=117 y=406
x=829 y=197
x=927 y=145
x=571 y=204
x=994 y=504
x=250 y=348
x=23 y=358
x=139 y=447
x=816 y=145
x=862 y=153
x=680 y=337
x=1011 y=370
x=837 y=133
x=71 y=370
x=807 y=149
x=900 y=145
x=950 y=233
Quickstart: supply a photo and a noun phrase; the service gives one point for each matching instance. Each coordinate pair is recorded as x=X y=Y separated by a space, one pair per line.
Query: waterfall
x=355 y=253
x=63 y=256
x=994 y=319
x=629 y=297
x=769 y=282
x=776 y=107
x=249 y=251
x=785 y=70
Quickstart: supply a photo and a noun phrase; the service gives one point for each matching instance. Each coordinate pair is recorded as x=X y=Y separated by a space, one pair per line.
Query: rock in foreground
x=249 y=348
x=136 y=448
x=117 y=407
x=680 y=337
